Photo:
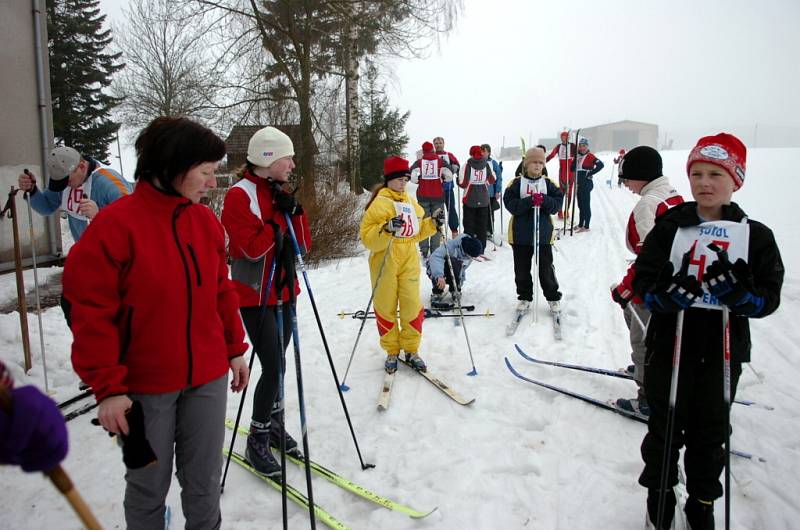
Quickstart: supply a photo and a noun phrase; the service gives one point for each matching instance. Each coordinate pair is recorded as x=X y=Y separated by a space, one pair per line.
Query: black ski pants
x=448 y=277
x=263 y=334
x=585 y=185
x=700 y=419
x=523 y=259
x=476 y=222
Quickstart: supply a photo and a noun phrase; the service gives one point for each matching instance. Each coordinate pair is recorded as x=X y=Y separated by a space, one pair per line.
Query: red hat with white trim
x=723 y=150
x=395 y=167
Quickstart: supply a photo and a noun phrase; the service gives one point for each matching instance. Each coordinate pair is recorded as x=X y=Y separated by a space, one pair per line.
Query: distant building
x=510 y=153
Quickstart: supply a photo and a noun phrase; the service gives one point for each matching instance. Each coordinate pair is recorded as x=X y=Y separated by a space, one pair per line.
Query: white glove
x=446 y=174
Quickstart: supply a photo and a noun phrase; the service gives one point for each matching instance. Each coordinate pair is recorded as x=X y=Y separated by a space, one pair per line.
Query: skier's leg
x=469 y=220
x=587 y=185
x=411 y=311
x=263 y=334
x=547 y=273
x=385 y=304
x=637 y=338
x=198 y=451
x=523 y=254
x=426 y=245
x=146 y=488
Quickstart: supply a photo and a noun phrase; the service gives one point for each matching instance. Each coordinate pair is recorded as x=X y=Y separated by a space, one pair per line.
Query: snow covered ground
x=520 y=456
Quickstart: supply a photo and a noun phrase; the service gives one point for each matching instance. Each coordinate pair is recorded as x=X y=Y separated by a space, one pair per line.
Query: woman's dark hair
x=169 y=147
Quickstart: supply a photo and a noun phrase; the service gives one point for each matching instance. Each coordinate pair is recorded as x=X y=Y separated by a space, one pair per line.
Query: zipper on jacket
x=126 y=337
x=194 y=262
x=187 y=273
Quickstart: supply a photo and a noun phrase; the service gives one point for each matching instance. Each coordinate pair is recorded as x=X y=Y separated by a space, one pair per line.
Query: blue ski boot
x=416 y=362
x=391 y=363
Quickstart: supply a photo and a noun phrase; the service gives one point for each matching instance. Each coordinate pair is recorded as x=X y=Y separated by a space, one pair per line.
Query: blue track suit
x=588 y=165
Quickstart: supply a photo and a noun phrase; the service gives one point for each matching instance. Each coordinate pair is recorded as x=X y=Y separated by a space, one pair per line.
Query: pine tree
x=80 y=70
x=382 y=130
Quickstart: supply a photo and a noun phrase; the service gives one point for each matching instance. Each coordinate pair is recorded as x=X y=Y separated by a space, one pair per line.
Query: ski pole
x=262 y=314
x=474 y=371
x=673 y=399
x=726 y=392
x=324 y=340
x=574 y=194
x=302 y=406
x=59 y=478
x=36 y=287
x=343 y=386
x=536 y=210
x=281 y=398
x=22 y=303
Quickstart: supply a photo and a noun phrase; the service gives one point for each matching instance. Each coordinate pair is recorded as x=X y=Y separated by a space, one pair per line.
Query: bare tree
x=169 y=70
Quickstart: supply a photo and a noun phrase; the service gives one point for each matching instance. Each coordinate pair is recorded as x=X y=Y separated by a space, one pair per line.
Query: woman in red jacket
x=254 y=215
x=155 y=324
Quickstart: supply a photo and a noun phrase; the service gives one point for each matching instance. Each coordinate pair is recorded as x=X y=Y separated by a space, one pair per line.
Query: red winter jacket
x=153 y=310
x=251 y=240
x=430 y=188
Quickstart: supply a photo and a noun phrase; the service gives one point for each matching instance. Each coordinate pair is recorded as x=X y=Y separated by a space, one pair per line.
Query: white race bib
x=564 y=151
x=728 y=235
x=429 y=169
x=71 y=198
x=409 y=216
x=477 y=177
x=528 y=187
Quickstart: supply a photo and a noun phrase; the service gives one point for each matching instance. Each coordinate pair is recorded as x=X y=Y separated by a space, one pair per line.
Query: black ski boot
x=259 y=455
x=699 y=514
x=275 y=438
x=652 y=509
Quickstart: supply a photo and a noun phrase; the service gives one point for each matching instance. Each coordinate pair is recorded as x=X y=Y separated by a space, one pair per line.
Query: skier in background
x=431 y=173
x=587 y=166
x=644 y=177
x=566 y=165
x=477 y=182
x=450 y=160
x=461 y=251
x=496 y=189
x=618 y=161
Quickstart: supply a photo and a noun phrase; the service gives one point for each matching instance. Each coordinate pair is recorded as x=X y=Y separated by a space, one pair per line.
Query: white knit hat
x=268 y=145
x=62 y=161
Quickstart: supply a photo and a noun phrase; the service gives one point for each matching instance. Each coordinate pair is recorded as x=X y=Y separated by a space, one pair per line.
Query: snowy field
x=520 y=456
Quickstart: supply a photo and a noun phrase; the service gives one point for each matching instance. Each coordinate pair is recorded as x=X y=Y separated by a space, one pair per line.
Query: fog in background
x=516 y=68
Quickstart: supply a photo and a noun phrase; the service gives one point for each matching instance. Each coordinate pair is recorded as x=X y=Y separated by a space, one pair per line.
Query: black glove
x=732 y=284
x=621 y=295
x=286 y=202
x=136 y=450
x=674 y=293
x=438 y=217
x=395 y=225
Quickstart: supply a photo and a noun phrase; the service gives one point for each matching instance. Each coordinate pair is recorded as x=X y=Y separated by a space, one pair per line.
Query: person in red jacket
x=155 y=321
x=587 y=166
x=566 y=169
x=431 y=173
x=254 y=215
x=618 y=161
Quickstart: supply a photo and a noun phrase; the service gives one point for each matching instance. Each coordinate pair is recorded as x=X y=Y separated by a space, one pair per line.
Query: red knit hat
x=563 y=134
x=475 y=152
x=395 y=167
x=723 y=150
x=427 y=147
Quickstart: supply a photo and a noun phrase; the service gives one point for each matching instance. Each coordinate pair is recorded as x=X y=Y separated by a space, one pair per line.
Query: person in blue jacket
x=496 y=189
x=521 y=197
x=462 y=250
x=79 y=185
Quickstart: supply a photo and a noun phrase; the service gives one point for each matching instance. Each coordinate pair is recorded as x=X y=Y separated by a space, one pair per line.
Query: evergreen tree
x=80 y=70
x=382 y=130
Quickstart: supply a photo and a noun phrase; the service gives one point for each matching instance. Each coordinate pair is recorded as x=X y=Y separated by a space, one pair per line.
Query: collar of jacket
x=395 y=196
x=477 y=163
x=258 y=181
x=686 y=214
x=157 y=199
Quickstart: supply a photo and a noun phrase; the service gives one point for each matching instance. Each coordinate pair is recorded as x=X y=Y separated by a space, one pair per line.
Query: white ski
x=557 y=324
x=386 y=391
x=512 y=327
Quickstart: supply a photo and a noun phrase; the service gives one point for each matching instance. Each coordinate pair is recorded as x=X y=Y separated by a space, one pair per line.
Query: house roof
x=239 y=137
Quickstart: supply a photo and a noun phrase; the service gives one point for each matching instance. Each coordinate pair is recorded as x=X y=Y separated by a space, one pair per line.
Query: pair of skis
x=519 y=315
x=388 y=382
x=334 y=478
x=636 y=416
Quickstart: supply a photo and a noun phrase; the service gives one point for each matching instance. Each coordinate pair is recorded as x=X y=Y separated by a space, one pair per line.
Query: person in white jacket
x=641 y=172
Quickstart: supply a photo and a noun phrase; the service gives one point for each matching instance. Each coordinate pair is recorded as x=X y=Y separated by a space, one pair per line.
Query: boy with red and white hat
x=699 y=258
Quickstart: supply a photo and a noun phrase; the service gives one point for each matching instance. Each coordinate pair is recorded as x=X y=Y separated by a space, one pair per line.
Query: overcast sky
x=523 y=68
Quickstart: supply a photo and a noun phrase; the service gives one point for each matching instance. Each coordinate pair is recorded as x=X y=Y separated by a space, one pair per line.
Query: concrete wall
x=621 y=135
x=20 y=134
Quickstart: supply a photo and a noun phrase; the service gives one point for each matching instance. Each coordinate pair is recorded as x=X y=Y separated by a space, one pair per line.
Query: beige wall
x=20 y=135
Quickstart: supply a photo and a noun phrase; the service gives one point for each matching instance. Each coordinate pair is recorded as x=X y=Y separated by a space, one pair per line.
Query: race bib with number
x=564 y=151
x=409 y=214
x=728 y=235
x=477 y=177
x=429 y=169
x=71 y=198
x=528 y=187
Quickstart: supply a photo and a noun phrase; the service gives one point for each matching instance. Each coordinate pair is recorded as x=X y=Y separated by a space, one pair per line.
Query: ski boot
x=259 y=455
x=416 y=362
x=437 y=299
x=523 y=306
x=555 y=306
x=391 y=363
x=699 y=514
x=639 y=406
x=275 y=438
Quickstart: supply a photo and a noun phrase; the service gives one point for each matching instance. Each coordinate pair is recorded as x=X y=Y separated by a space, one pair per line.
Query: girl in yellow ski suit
x=398 y=282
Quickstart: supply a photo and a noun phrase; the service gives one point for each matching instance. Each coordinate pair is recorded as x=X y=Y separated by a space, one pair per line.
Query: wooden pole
x=22 y=304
